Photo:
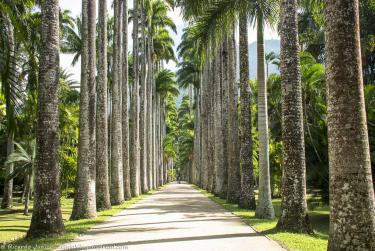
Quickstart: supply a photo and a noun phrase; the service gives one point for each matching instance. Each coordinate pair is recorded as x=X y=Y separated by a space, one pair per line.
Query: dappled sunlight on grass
x=319 y=218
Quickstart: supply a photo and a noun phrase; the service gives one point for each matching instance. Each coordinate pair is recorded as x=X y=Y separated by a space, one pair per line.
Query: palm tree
x=161 y=49
x=102 y=186
x=188 y=76
x=157 y=47
x=247 y=199
x=85 y=200
x=293 y=206
x=165 y=86
x=47 y=219
x=210 y=27
x=234 y=172
x=224 y=116
x=125 y=101
x=217 y=130
x=134 y=142
x=143 y=103
x=24 y=158
x=8 y=79
x=72 y=40
x=263 y=12
x=270 y=59
x=352 y=222
x=117 y=185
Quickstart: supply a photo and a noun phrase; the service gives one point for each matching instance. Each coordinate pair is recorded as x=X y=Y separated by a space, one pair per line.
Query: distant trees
x=125 y=177
x=212 y=138
x=298 y=110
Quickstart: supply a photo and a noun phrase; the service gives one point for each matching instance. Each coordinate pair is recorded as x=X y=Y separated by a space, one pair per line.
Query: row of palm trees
x=122 y=157
x=223 y=146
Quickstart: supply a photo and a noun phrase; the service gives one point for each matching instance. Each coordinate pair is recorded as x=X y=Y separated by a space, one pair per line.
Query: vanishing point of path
x=176 y=218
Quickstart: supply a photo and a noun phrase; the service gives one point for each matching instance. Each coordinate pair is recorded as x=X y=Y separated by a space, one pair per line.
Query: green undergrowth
x=14 y=226
x=319 y=218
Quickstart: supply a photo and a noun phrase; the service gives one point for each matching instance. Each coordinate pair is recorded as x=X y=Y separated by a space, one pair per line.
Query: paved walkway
x=176 y=218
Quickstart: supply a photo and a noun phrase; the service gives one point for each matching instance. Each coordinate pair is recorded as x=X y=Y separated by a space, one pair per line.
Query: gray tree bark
x=218 y=132
x=205 y=131
x=85 y=200
x=196 y=164
x=143 y=105
x=234 y=174
x=102 y=186
x=149 y=113
x=352 y=213
x=134 y=151
x=125 y=101
x=159 y=140
x=117 y=183
x=7 y=201
x=247 y=199
x=47 y=219
x=225 y=114
x=210 y=125
x=294 y=216
x=264 y=208
x=154 y=133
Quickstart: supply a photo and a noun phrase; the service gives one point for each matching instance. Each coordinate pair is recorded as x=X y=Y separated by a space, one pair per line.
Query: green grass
x=14 y=226
x=319 y=218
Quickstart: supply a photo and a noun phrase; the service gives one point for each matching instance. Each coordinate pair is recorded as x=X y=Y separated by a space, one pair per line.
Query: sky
x=75 y=7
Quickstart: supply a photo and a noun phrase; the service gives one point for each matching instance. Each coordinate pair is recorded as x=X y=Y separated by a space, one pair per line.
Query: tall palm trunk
x=85 y=200
x=264 y=209
x=155 y=172
x=196 y=162
x=205 y=114
x=247 y=180
x=117 y=184
x=199 y=130
x=225 y=114
x=210 y=136
x=28 y=191
x=293 y=206
x=102 y=186
x=218 y=133
x=47 y=219
x=234 y=174
x=134 y=154
x=160 y=140
x=125 y=101
x=143 y=105
x=154 y=134
x=7 y=201
x=149 y=91
x=352 y=213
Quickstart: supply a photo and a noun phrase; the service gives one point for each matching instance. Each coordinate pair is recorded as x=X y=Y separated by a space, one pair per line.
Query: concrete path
x=176 y=218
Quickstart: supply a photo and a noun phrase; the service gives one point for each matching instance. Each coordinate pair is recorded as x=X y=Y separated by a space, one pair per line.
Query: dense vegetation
x=120 y=132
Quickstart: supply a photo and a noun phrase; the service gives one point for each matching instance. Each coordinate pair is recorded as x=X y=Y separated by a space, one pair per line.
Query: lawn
x=319 y=218
x=14 y=225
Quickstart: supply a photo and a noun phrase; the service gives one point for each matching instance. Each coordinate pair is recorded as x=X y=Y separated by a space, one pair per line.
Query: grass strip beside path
x=319 y=218
x=14 y=226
